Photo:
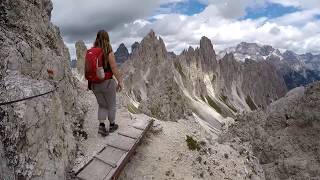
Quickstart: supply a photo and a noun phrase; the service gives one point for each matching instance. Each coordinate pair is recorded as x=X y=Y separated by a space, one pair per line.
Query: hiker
x=99 y=71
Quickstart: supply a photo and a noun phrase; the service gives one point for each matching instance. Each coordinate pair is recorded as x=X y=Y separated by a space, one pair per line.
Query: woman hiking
x=104 y=89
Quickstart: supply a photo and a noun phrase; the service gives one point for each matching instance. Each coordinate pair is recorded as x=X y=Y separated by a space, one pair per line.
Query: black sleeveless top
x=106 y=67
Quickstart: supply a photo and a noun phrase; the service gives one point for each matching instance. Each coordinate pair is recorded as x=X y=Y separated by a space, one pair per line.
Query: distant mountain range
x=168 y=86
x=296 y=69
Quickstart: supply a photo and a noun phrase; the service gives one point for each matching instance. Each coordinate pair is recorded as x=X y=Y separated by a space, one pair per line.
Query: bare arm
x=114 y=67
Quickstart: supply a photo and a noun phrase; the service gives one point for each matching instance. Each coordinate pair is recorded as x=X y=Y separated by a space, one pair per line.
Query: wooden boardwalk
x=111 y=159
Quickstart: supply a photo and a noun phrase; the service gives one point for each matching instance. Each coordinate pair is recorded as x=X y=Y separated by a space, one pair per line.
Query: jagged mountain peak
x=151 y=46
x=290 y=55
x=207 y=54
x=122 y=54
x=205 y=43
x=152 y=33
x=249 y=48
x=228 y=56
x=122 y=46
x=122 y=49
x=134 y=47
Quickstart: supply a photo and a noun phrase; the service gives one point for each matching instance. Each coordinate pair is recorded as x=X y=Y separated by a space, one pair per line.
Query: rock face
x=150 y=81
x=81 y=51
x=172 y=87
x=284 y=136
x=300 y=70
x=258 y=82
x=134 y=47
x=297 y=70
x=122 y=54
x=37 y=137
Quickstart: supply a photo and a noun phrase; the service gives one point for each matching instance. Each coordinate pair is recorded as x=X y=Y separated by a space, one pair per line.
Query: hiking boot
x=113 y=127
x=103 y=131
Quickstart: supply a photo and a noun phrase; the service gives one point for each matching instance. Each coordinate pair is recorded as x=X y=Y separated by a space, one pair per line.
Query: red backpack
x=94 y=71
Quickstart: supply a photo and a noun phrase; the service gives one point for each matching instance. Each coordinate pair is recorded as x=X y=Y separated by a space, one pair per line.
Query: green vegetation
x=192 y=144
x=155 y=111
x=202 y=97
x=133 y=109
x=225 y=100
x=178 y=66
x=251 y=103
x=232 y=108
x=214 y=105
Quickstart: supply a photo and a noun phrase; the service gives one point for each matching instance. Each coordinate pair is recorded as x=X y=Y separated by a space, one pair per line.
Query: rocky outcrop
x=262 y=82
x=37 y=136
x=284 y=136
x=150 y=81
x=81 y=51
x=122 y=54
x=134 y=47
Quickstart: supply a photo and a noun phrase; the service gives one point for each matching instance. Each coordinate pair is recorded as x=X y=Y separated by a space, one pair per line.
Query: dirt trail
x=164 y=153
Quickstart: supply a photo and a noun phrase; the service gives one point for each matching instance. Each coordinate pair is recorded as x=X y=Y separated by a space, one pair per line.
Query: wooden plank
x=110 y=161
x=141 y=124
x=95 y=170
x=131 y=132
x=115 y=173
x=111 y=155
x=121 y=142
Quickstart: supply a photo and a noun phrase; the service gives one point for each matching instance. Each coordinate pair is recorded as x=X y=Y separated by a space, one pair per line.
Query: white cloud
x=298 y=18
x=82 y=18
x=233 y=8
x=219 y=21
x=180 y=31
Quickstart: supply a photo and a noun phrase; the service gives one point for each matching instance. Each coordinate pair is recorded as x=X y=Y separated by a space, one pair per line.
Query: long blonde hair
x=103 y=41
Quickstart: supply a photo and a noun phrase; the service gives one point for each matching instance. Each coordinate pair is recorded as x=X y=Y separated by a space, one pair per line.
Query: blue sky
x=284 y=24
x=190 y=7
x=270 y=10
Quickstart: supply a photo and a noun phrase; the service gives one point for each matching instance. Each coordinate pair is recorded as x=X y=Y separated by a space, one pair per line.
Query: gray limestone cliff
x=81 y=51
x=38 y=136
x=149 y=81
x=284 y=137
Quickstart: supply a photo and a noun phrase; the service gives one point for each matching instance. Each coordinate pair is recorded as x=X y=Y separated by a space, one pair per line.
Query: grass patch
x=251 y=103
x=178 y=66
x=214 y=105
x=132 y=109
x=192 y=144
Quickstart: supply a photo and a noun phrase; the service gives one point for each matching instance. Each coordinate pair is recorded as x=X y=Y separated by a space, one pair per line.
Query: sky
x=284 y=24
